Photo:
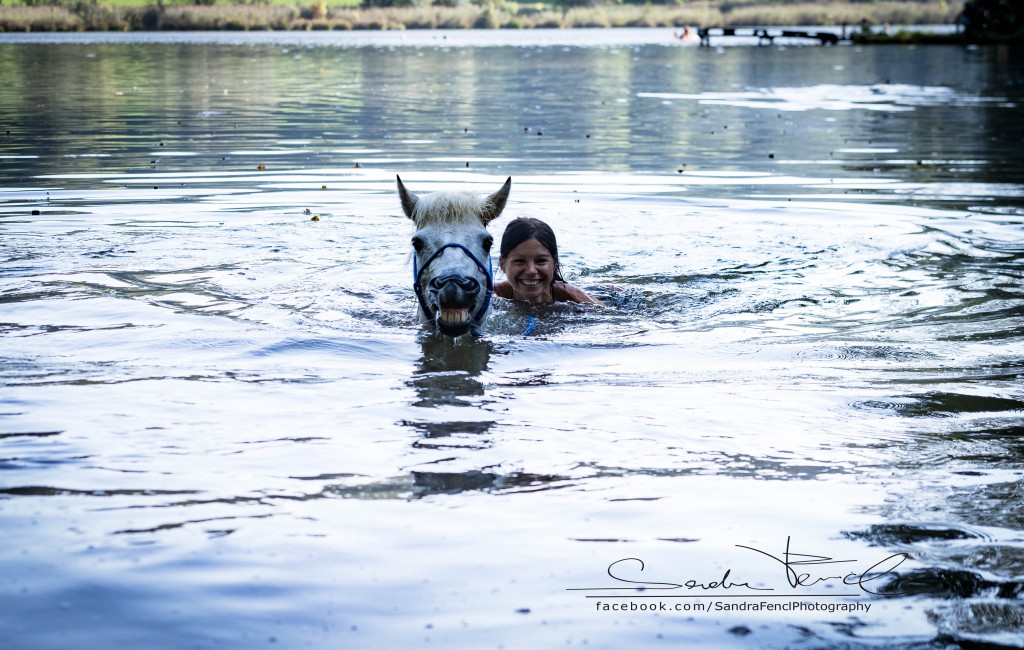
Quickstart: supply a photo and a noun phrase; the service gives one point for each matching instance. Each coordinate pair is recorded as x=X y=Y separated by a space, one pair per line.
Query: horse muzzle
x=455 y=297
x=448 y=298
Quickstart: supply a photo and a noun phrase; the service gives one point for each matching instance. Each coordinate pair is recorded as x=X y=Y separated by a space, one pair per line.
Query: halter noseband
x=419 y=291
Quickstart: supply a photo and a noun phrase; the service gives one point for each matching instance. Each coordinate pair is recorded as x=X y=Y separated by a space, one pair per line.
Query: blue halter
x=486 y=269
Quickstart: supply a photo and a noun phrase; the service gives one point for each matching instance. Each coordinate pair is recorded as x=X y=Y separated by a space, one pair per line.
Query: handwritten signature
x=800 y=570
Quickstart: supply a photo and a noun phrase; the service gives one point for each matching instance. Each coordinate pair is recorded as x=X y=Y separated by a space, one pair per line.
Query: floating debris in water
x=308 y=211
x=315 y=218
x=261 y=167
x=323 y=187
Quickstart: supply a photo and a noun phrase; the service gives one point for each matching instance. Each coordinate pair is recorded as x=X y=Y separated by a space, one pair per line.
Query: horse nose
x=468 y=285
x=455 y=291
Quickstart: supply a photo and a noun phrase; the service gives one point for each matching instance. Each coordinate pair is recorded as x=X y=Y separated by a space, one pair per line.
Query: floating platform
x=764 y=35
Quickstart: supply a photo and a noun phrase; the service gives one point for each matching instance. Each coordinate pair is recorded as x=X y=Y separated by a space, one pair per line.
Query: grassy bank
x=91 y=16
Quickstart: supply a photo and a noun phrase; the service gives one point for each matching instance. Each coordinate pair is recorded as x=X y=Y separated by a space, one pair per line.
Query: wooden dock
x=764 y=35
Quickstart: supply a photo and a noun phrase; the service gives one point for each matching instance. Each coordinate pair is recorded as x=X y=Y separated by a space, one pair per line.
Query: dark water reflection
x=941 y=119
x=220 y=424
x=448 y=373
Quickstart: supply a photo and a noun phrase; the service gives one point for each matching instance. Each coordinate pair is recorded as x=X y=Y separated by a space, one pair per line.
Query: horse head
x=452 y=274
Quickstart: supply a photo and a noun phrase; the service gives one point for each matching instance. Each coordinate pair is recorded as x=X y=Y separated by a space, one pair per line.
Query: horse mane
x=448 y=208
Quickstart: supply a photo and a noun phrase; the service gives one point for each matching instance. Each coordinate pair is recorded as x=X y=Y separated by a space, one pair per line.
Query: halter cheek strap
x=416 y=270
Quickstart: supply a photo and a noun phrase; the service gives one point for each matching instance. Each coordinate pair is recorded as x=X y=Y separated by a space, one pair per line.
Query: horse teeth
x=454 y=315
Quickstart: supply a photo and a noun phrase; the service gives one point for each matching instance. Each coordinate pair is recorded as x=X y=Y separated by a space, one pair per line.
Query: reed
x=39 y=19
x=87 y=15
x=838 y=13
x=228 y=17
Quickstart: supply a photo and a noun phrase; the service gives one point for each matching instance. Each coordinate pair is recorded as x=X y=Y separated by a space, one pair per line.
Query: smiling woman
x=529 y=259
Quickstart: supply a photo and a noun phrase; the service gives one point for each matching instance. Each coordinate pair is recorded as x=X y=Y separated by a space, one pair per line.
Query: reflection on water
x=633 y=108
x=221 y=421
x=448 y=373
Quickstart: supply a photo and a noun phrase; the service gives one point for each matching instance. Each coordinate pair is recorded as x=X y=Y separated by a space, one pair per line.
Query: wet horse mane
x=452 y=207
x=449 y=208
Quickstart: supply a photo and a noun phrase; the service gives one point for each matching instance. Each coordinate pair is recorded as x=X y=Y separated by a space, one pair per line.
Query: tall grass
x=838 y=13
x=228 y=17
x=87 y=15
x=39 y=19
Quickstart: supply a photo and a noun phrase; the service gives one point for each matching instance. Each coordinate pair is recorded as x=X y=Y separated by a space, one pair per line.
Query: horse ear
x=495 y=203
x=409 y=200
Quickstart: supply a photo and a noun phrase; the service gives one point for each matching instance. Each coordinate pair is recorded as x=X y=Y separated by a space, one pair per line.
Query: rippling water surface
x=221 y=425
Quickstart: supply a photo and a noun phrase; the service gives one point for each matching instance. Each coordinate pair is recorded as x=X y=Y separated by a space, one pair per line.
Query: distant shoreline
x=100 y=17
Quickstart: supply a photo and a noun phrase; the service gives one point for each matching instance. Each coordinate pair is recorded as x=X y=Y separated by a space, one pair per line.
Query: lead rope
x=531 y=324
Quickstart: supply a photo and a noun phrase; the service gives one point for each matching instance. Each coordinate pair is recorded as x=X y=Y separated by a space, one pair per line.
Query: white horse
x=452 y=274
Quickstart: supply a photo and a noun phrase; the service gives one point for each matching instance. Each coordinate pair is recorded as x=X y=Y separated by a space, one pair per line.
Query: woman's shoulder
x=503 y=290
x=565 y=292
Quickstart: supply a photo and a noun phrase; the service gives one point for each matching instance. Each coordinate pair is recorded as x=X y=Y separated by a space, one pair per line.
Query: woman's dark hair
x=524 y=229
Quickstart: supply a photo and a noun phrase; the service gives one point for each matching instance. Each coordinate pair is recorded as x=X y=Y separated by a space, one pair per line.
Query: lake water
x=221 y=425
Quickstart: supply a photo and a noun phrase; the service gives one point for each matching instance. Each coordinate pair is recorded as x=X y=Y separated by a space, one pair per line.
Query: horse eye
x=417 y=244
x=488 y=242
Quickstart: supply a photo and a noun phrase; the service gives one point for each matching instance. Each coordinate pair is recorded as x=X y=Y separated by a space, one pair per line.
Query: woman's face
x=530 y=269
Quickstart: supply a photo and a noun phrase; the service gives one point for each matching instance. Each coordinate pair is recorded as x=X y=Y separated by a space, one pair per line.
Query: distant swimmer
x=686 y=35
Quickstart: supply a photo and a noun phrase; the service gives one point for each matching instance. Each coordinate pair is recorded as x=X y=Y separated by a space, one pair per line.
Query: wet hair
x=523 y=229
